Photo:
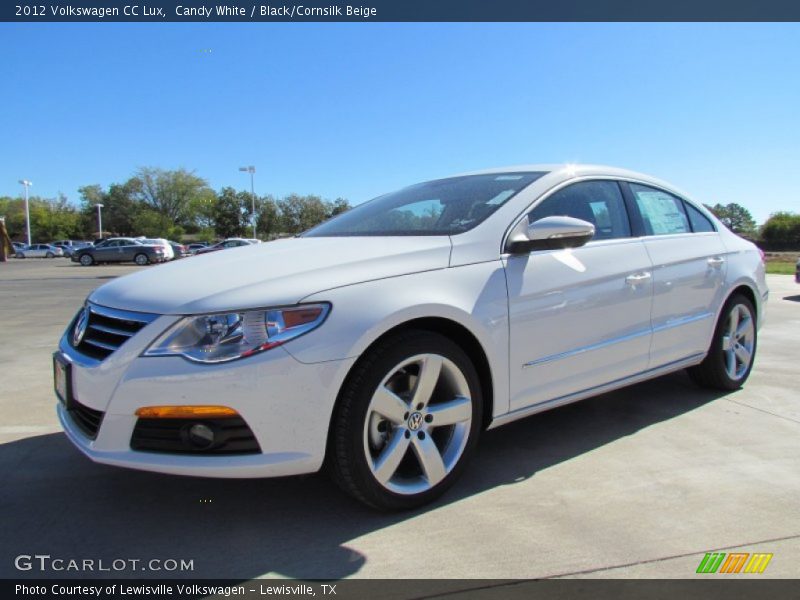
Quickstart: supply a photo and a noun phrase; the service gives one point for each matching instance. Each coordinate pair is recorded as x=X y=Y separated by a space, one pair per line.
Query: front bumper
x=287 y=405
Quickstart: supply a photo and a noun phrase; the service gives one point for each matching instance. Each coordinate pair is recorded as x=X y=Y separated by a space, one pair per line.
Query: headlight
x=222 y=337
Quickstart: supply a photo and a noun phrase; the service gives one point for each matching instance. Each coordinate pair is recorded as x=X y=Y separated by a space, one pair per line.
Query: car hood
x=270 y=274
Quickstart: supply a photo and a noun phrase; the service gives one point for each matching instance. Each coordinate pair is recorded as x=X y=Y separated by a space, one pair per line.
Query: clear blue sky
x=355 y=110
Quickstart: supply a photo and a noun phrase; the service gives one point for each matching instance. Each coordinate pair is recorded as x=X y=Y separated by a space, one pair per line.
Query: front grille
x=107 y=329
x=231 y=436
x=86 y=419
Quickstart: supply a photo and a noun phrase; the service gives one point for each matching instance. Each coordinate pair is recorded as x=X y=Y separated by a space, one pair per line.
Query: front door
x=579 y=318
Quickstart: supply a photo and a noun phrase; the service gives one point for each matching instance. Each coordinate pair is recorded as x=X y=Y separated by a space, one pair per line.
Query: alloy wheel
x=738 y=341
x=417 y=424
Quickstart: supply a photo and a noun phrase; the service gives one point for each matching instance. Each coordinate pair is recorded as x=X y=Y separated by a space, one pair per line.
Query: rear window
x=662 y=213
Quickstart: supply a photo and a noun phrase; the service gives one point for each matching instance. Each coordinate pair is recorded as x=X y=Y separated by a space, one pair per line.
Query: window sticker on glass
x=662 y=213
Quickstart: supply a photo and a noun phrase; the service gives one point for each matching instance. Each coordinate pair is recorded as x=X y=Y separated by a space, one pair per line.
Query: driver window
x=598 y=202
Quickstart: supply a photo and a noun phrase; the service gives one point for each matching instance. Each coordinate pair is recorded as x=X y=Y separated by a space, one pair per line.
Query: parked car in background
x=67 y=250
x=797 y=272
x=194 y=247
x=169 y=253
x=39 y=251
x=381 y=343
x=180 y=250
x=225 y=244
x=120 y=250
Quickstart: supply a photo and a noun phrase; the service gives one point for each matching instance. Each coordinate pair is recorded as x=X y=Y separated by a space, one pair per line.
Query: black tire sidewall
x=717 y=355
x=352 y=412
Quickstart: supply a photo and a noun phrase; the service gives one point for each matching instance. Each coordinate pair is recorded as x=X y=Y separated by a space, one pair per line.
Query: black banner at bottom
x=404 y=589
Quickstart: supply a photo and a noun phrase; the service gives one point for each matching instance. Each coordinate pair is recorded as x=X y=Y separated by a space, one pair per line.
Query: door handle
x=716 y=261
x=638 y=278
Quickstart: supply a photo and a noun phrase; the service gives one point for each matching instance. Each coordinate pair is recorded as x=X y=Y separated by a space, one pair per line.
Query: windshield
x=441 y=207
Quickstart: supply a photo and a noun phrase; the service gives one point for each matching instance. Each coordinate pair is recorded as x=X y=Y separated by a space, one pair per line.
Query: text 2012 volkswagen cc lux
x=382 y=342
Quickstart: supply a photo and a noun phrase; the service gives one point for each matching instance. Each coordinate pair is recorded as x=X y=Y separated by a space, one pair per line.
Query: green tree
x=171 y=193
x=50 y=219
x=121 y=208
x=338 y=206
x=229 y=213
x=299 y=213
x=782 y=231
x=268 y=221
x=735 y=217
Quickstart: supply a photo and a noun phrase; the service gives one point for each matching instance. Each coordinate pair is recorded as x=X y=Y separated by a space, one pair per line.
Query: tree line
x=171 y=204
x=781 y=231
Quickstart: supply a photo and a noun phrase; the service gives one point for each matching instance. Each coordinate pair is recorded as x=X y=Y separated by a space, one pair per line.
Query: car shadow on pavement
x=57 y=502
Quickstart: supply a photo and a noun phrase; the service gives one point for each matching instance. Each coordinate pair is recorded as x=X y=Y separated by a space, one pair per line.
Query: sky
x=357 y=110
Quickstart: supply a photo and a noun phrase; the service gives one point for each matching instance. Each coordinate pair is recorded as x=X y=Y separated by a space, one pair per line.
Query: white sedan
x=40 y=251
x=382 y=342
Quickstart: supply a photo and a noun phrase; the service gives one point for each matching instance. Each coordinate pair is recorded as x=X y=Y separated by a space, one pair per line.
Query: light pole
x=251 y=169
x=99 y=221
x=26 y=184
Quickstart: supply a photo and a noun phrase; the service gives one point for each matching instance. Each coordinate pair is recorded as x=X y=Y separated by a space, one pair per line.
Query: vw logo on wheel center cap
x=415 y=421
x=80 y=327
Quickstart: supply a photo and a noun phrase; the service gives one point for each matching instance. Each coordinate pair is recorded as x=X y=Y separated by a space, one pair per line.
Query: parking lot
x=636 y=483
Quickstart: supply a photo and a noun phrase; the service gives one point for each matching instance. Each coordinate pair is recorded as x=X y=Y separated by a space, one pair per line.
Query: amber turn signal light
x=185 y=412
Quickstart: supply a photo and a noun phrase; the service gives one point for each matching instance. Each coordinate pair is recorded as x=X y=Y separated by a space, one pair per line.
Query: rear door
x=579 y=318
x=688 y=272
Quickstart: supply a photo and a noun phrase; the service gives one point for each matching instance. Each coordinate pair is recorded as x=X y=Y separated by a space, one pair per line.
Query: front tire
x=49 y=255
x=141 y=260
x=87 y=260
x=407 y=421
x=733 y=348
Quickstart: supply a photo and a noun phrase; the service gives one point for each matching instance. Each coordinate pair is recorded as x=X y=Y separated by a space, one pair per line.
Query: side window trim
x=634 y=214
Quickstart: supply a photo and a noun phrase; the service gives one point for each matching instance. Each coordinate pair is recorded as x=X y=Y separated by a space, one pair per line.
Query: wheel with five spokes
x=730 y=358
x=406 y=422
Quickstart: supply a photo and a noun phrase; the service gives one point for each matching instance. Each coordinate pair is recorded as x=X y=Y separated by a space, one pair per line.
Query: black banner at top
x=163 y=11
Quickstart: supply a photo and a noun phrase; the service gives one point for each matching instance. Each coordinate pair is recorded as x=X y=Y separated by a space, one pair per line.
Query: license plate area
x=62 y=380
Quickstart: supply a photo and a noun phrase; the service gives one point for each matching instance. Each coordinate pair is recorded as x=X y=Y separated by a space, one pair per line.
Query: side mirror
x=549 y=233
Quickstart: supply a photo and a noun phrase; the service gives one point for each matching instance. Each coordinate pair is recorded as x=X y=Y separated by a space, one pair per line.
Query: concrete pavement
x=636 y=483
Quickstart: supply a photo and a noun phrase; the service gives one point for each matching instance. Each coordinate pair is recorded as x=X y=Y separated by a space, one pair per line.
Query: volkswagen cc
x=381 y=343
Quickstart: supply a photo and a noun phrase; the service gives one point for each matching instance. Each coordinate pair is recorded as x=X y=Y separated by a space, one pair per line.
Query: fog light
x=201 y=436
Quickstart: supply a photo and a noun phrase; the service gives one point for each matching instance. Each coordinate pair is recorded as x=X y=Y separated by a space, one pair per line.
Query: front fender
x=474 y=296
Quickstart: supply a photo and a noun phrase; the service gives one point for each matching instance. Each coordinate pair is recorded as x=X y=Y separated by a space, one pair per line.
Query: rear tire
x=407 y=421
x=49 y=255
x=733 y=348
x=141 y=260
x=87 y=260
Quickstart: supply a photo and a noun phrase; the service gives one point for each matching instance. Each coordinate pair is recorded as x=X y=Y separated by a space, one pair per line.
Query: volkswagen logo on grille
x=80 y=327
x=415 y=421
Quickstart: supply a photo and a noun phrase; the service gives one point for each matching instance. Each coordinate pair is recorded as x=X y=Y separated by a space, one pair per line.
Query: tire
x=86 y=260
x=49 y=255
x=141 y=260
x=20 y=255
x=729 y=361
x=377 y=457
